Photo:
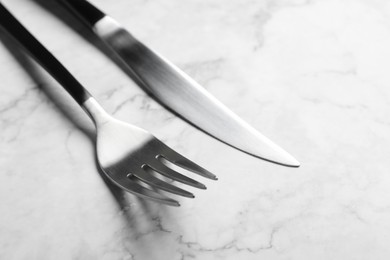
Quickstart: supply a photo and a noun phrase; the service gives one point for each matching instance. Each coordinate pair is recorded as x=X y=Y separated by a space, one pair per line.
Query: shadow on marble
x=63 y=103
x=44 y=82
x=151 y=212
x=144 y=229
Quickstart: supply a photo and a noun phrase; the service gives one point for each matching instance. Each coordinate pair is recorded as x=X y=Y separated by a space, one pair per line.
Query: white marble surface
x=311 y=75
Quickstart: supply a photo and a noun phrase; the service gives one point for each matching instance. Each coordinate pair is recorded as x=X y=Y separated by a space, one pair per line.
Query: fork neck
x=98 y=115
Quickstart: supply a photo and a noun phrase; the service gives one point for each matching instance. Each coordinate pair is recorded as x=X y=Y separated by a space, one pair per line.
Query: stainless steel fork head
x=131 y=157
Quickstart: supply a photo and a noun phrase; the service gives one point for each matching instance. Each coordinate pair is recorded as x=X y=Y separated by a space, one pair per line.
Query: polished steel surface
x=129 y=156
x=179 y=92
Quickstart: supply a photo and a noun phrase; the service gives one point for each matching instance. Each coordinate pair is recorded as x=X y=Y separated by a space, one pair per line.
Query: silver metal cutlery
x=130 y=157
x=176 y=90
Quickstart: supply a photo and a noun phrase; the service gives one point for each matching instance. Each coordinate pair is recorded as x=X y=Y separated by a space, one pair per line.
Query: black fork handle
x=43 y=56
x=87 y=12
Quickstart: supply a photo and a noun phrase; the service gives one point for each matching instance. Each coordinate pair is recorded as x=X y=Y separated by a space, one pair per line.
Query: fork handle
x=87 y=12
x=43 y=56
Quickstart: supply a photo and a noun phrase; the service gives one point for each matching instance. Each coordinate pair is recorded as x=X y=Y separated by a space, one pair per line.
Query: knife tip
x=294 y=164
x=291 y=161
x=287 y=161
x=275 y=154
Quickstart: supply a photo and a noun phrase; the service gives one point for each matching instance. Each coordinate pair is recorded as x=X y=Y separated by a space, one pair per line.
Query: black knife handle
x=85 y=10
x=43 y=56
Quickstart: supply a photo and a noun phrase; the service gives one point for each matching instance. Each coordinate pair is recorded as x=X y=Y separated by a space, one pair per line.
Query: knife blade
x=176 y=90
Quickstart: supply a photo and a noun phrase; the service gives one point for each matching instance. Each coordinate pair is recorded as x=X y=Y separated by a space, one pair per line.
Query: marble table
x=312 y=75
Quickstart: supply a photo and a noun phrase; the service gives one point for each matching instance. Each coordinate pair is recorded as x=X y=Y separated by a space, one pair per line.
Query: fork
x=130 y=157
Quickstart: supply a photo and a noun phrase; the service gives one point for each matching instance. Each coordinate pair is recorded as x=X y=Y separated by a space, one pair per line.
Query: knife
x=176 y=90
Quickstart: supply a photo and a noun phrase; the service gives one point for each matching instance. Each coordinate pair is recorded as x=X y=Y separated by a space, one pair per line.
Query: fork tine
x=178 y=159
x=148 y=178
x=138 y=190
x=174 y=175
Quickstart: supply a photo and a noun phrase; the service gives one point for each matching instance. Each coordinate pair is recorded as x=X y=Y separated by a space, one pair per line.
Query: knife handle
x=43 y=56
x=87 y=12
